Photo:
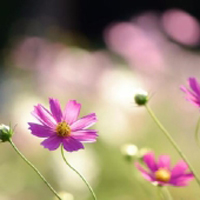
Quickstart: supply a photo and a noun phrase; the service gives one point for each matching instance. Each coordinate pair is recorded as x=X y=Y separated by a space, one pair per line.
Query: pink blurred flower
x=161 y=173
x=59 y=64
x=63 y=128
x=30 y=52
x=181 y=26
x=74 y=69
x=135 y=45
x=192 y=95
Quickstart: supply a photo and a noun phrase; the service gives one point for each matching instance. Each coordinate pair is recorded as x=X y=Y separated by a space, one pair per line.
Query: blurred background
x=99 y=53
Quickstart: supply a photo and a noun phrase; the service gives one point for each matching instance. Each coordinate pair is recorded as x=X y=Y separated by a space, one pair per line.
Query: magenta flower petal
x=192 y=95
x=55 y=109
x=70 y=144
x=44 y=116
x=144 y=173
x=84 y=122
x=71 y=111
x=40 y=130
x=87 y=135
x=149 y=159
x=52 y=142
x=192 y=98
x=179 y=169
x=194 y=85
x=182 y=180
x=164 y=162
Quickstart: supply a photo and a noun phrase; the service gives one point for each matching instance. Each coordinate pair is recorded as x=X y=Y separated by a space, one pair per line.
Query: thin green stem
x=34 y=168
x=81 y=176
x=132 y=171
x=196 y=133
x=160 y=194
x=172 y=142
x=166 y=193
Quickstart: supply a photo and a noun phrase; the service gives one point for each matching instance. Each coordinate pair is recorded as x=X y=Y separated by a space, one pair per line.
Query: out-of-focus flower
x=59 y=65
x=35 y=53
x=66 y=63
x=63 y=127
x=136 y=46
x=192 y=95
x=181 y=26
x=141 y=97
x=5 y=133
x=160 y=173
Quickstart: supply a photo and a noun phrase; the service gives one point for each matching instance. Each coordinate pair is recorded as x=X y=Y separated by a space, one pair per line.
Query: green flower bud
x=5 y=133
x=141 y=97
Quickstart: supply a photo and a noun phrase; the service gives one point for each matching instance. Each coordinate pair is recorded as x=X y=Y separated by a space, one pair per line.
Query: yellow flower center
x=163 y=175
x=63 y=129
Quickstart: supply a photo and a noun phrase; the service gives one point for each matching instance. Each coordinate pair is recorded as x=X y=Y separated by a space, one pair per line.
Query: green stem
x=140 y=185
x=34 y=168
x=196 y=133
x=166 y=193
x=172 y=142
x=160 y=194
x=81 y=176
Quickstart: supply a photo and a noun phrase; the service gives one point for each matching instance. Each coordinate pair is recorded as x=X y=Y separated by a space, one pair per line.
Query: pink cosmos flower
x=63 y=128
x=161 y=172
x=192 y=95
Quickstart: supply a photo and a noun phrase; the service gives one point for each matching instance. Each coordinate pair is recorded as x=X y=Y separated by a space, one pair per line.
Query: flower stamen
x=63 y=129
x=163 y=175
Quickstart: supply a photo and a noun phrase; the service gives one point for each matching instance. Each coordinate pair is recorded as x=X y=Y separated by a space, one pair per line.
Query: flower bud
x=129 y=151
x=141 y=97
x=5 y=133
